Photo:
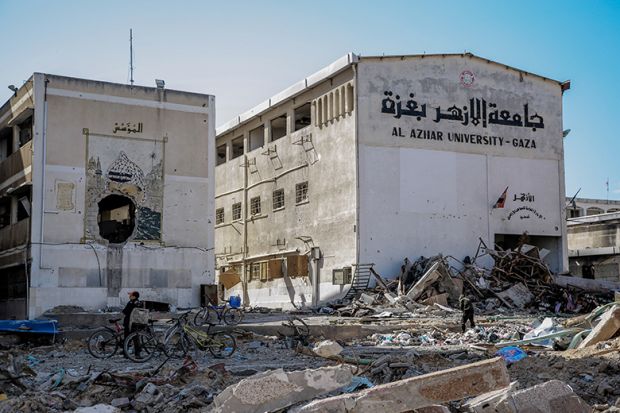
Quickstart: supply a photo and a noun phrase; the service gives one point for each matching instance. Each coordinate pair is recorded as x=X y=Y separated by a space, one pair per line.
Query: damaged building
x=373 y=159
x=104 y=188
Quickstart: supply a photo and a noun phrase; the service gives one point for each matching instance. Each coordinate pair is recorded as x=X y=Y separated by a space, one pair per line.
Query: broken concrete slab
x=367 y=298
x=423 y=283
x=433 y=409
x=605 y=329
x=98 y=408
x=518 y=295
x=553 y=396
x=420 y=391
x=277 y=389
x=441 y=299
x=586 y=284
x=327 y=348
x=486 y=403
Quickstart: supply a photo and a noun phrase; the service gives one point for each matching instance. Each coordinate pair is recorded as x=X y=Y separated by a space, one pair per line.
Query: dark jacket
x=127 y=311
x=466 y=305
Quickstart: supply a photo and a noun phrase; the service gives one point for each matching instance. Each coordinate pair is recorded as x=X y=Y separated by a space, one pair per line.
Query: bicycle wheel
x=232 y=316
x=176 y=345
x=140 y=346
x=222 y=345
x=206 y=316
x=103 y=343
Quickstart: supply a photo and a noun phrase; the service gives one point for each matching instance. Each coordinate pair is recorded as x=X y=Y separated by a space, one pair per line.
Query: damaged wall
x=441 y=138
x=123 y=190
x=323 y=155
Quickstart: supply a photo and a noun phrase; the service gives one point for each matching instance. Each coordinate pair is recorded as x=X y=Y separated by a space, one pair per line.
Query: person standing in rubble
x=468 y=311
x=134 y=302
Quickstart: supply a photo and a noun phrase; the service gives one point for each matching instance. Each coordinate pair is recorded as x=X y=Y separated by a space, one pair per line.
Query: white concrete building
x=373 y=159
x=104 y=188
x=579 y=207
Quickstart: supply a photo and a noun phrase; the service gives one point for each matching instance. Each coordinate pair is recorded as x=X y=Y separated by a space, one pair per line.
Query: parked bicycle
x=105 y=341
x=230 y=313
x=185 y=338
x=144 y=343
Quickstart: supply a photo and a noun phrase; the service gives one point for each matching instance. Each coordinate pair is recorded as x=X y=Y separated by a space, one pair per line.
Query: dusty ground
x=418 y=345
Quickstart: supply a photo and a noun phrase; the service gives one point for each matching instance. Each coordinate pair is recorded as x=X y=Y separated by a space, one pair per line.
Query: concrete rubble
x=553 y=396
x=417 y=392
x=277 y=389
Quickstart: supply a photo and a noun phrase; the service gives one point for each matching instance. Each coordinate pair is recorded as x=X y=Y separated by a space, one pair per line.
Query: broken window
x=257 y=137
x=221 y=155
x=25 y=131
x=255 y=205
x=302 y=116
x=23 y=207
x=6 y=143
x=301 y=192
x=613 y=210
x=219 y=216
x=278 y=199
x=236 y=211
x=574 y=212
x=278 y=127
x=5 y=212
x=237 y=147
x=116 y=218
x=341 y=276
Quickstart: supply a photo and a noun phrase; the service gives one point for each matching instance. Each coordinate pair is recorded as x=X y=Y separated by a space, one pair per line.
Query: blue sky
x=246 y=51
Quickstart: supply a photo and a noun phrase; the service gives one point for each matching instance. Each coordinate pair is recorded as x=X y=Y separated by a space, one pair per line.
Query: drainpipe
x=244 y=274
x=315 y=253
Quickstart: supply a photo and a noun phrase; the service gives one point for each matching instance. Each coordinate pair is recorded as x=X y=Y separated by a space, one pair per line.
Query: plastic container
x=235 y=301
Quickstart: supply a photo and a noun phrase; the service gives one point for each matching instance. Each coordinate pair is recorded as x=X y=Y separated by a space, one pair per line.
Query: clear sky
x=245 y=51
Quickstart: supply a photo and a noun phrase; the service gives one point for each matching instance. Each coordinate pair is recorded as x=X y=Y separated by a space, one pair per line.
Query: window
x=278 y=127
x=236 y=211
x=594 y=211
x=219 y=216
x=301 y=192
x=302 y=116
x=278 y=199
x=258 y=271
x=237 y=147
x=5 y=212
x=221 y=155
x=341 y=276
x=25 y=131
x=257 y=137
x=255 y=206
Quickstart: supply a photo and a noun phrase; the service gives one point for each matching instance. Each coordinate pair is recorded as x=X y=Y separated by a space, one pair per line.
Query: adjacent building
x=579 y=207
x=104 y=188
x=374 y=159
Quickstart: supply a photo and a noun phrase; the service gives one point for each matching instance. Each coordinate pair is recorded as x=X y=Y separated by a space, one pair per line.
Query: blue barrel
x=235 y=301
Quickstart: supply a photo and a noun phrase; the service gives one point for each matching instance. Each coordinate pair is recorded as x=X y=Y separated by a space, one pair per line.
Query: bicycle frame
x=199 y=337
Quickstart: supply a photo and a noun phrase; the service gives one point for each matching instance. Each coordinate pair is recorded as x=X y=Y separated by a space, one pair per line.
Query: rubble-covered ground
x=65 y=377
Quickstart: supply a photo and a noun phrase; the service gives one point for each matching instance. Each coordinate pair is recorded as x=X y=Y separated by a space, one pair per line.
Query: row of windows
x=278 y=202
x=256 y=137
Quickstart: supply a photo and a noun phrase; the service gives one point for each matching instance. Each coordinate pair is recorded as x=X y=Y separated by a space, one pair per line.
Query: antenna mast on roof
x=131 y=57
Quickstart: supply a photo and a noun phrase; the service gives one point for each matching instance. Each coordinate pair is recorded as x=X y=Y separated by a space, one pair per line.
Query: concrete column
x=16 y=145
x=267 y=133
x=14 y=206
x=290 y=121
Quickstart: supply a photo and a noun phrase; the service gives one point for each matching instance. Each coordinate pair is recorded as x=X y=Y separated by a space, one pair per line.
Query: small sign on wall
x=65 y=192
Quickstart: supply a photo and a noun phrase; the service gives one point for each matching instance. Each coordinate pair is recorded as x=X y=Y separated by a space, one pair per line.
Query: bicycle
x=141 y=345
x=104 y=342
x=184 y=337
x=215 y=314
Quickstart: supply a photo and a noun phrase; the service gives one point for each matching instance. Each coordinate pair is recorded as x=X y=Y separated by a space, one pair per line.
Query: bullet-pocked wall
x=442 y=138
x=123 y=190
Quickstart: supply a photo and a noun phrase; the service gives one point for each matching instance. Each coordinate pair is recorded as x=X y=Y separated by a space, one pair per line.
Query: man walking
x=468 y=311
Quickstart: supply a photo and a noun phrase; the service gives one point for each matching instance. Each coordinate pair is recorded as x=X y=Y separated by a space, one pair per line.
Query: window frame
x=306 y=198
x=236 y=204
x=219 y=216
x=255 y=206
x=276 y=196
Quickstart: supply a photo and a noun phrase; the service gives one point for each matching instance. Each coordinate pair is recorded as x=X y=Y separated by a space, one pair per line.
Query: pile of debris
x=521 y=279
